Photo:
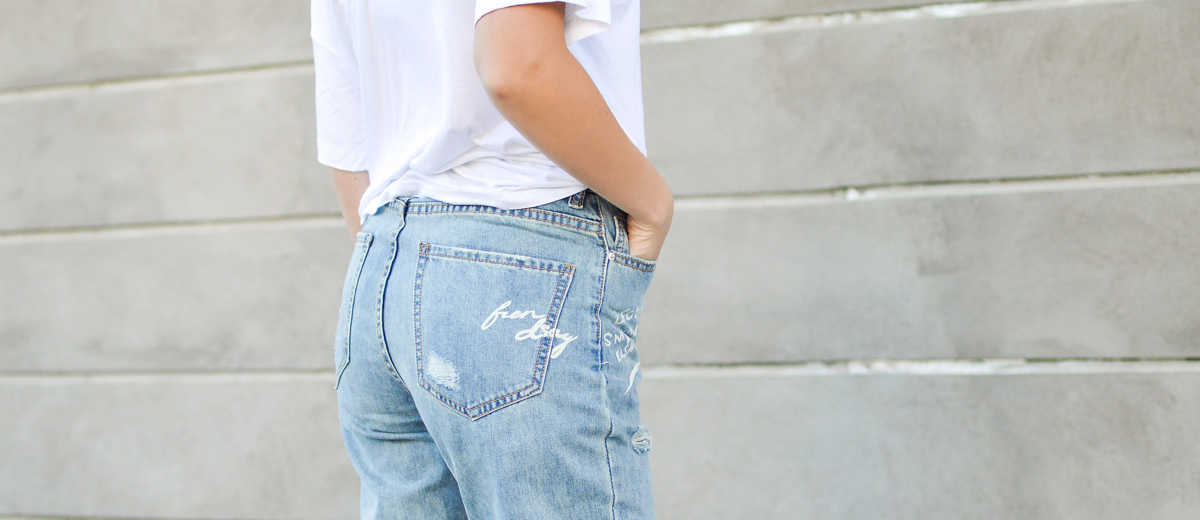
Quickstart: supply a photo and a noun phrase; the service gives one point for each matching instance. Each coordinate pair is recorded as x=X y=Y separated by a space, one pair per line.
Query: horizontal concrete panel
x=1101 y=88
x=1103 y=273
x=903 y=447
x=235 y=146
x=667 y=13
x=45 y=42
x=1097 y=273
x=160 y=448
x=266 y=446
x=236 y=297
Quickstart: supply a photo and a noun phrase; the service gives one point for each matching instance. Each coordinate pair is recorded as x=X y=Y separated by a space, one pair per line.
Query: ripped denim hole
x=641 y=440
x=442 y=372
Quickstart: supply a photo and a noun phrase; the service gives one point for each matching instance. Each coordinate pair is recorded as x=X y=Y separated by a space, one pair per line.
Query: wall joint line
x=938 y=11
x=930 y=367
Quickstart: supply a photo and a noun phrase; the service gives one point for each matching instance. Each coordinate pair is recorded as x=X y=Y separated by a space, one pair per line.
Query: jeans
x=486 y=363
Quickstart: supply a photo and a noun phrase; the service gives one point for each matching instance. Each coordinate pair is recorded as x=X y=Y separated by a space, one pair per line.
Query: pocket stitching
x=634 y=262
x=575 y=222
x=500 y=263
x=565 y=276
x=621 y=248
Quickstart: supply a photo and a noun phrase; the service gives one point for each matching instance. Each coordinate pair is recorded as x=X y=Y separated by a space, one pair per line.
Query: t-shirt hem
x=342 y=161
x=582 y=18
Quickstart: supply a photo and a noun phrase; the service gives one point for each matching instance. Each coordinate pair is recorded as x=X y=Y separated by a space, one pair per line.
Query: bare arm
x=350 y=187
x=538 y=85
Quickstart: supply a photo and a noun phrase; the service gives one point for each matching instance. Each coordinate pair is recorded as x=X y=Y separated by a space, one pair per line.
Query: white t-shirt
x=398 y=96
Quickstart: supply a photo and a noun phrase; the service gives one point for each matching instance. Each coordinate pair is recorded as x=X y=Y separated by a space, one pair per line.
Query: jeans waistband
x=584 y=211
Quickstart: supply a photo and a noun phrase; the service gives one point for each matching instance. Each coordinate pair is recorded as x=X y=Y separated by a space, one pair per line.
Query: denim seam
x=541 y=366
x=549 y=217
x=387 y=273
x=365 y=246
x=567 y=267
x=424 y=205
x=582 y=223
x=609 y=244
x=622 y=244
x=430 y=206
x=612 y=486
x=418 y=286
x=633 y=262
x=542 y=362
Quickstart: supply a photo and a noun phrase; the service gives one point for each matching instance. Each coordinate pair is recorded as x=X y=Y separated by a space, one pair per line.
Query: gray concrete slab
x=47 y=42
x=157 y=447
x=1103 y=273
x=668 y=13
x=227 y=297
x=212 y=148
x=1097 y=273
x=903 y=447
x=991 y=447
x=1102 y=88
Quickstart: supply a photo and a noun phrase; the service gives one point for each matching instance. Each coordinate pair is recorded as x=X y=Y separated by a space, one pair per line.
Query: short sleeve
x=341 y=136
x=582 y=18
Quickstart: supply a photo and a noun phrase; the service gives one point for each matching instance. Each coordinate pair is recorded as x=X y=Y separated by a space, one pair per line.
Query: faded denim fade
x=487 y=365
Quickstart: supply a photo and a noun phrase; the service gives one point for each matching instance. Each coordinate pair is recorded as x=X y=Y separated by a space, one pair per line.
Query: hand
x=536 y=83
x=645 y=236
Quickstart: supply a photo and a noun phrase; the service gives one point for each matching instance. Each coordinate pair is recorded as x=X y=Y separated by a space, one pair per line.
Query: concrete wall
x=928 y=262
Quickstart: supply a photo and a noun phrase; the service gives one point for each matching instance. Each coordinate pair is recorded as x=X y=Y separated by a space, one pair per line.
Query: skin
x=350 y=187
x=541 y=89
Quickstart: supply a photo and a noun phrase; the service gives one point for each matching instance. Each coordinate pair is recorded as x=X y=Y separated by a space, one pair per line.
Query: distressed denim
x=486 y=363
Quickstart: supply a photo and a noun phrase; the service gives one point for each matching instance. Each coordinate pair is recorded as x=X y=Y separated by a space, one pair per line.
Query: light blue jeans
x=486 y=363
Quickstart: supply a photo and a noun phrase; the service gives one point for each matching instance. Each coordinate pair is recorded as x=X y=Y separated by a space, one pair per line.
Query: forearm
x=548 y=96
x=350 y=187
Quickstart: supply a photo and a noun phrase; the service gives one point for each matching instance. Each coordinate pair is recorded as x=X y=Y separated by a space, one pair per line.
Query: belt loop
x=576 y=200
x=401 y=206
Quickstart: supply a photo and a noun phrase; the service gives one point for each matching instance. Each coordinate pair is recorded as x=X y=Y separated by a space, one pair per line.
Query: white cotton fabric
x=398 y=96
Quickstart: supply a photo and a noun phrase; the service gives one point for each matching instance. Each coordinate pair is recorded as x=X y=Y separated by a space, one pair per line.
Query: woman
x=489 y=156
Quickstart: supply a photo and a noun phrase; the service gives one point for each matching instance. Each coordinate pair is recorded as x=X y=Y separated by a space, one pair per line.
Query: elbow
x=504 y=89
x=511 y=79
x=517 y=49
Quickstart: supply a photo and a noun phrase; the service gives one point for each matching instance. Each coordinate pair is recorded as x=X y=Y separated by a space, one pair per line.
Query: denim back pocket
x=484 y=325
x=346 y=314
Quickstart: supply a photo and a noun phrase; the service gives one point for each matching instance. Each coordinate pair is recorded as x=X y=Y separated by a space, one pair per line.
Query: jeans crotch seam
x=387 y=273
